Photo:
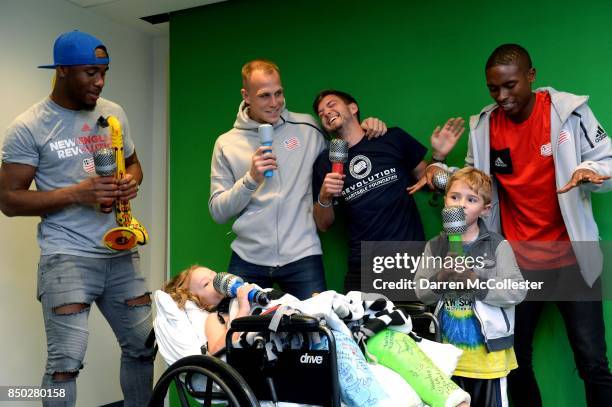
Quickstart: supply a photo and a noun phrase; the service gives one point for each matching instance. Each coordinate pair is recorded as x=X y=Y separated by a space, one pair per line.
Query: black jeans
x=484 y=392
x=584 y=324
x=301 y=278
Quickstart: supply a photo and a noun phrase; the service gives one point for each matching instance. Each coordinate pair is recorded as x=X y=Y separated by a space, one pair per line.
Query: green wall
x=411 y=64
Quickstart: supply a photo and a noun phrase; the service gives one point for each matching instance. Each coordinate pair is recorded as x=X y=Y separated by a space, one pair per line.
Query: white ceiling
x=130 y=11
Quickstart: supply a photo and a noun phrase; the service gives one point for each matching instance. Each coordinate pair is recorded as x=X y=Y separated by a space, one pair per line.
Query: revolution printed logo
x=372 y=182
x=546 y=150
x=88 y=165
x=360 y=166
x=563 y=137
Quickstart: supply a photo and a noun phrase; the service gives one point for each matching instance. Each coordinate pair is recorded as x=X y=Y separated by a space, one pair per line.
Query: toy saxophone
x=130 y=232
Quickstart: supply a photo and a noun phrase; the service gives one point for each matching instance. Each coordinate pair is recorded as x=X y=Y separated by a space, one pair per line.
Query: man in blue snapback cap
x=51 y=144
x=74 y=48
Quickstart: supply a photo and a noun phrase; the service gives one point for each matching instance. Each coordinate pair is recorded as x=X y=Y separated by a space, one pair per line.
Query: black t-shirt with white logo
x=377 y=206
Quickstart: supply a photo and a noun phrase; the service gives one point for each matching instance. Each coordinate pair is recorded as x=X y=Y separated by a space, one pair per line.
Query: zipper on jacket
x=436 y=313
x=278 y=191
x=438 y=308
x=505 y=319
x=482 y=328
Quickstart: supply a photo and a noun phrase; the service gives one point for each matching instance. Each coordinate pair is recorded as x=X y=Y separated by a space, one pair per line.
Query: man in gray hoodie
x=276 y=237
x=547 y=152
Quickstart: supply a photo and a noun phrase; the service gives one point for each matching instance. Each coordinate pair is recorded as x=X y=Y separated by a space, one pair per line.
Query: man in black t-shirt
x=373 y=190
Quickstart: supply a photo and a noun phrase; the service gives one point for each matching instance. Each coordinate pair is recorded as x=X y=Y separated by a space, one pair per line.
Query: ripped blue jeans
x=67 y=286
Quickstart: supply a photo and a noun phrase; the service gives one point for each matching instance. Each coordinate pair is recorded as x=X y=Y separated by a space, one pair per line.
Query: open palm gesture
x=443 y=139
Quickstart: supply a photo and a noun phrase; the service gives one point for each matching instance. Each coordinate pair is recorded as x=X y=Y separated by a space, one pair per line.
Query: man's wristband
x=322 y=204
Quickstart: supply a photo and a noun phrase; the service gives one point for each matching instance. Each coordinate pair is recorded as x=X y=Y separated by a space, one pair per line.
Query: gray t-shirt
x=59 y=142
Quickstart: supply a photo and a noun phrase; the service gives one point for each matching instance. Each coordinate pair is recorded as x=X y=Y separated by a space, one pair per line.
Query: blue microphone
x=228 y=284
x=265 y=137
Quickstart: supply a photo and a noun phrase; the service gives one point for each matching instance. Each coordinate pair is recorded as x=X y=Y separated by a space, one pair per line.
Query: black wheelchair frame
x=248 y=376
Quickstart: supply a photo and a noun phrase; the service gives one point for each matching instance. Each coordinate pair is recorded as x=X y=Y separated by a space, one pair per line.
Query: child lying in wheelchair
x=361 y=383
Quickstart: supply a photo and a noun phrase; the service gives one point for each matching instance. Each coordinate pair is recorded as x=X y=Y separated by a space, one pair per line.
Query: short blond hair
x=476 y=180
x=178 y=288
x=263 y=65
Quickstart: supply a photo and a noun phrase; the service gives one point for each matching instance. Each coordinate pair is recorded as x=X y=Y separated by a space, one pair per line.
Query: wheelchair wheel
x=230 y=386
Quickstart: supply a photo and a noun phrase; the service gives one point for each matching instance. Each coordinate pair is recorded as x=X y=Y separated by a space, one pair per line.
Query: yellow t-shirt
x=460 y=327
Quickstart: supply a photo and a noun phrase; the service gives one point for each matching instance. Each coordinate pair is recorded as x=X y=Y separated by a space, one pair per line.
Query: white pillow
x=179 y=333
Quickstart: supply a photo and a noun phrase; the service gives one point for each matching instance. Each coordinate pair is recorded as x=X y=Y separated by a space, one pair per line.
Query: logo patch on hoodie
x=600 y=135
x=563 y=137
x=291 y=143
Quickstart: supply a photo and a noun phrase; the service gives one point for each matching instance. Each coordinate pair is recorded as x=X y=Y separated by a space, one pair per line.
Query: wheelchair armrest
x=417 y=310
x=217 y=354
x=289 y=323
x=412 y=308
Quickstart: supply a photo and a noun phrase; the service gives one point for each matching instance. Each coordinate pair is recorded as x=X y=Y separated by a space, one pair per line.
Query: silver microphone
x=104 y=160
x=440 y=179
x=454 y=224
x=227 y=284
x=106 y=166
x=338 y=154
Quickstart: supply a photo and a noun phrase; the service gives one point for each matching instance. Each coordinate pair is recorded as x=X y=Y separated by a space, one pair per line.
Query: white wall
x=137 y=81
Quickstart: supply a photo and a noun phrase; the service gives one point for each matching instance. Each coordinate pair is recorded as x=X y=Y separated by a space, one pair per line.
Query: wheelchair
x=249 y=375
x=303 y=376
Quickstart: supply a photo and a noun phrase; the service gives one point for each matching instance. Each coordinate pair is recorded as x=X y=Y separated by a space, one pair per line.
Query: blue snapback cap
x=77 y=48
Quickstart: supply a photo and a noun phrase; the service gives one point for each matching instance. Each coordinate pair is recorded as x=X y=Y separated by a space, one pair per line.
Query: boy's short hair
x=477 y=180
